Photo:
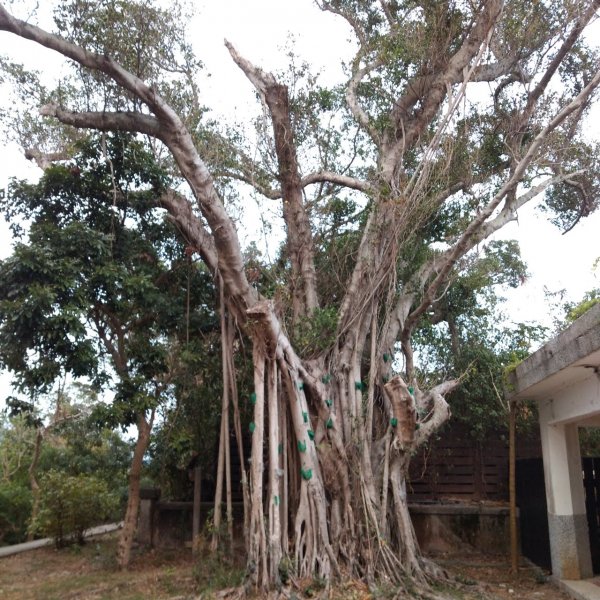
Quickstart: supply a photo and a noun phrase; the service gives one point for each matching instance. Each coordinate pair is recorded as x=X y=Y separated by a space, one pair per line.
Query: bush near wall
x=71 y=504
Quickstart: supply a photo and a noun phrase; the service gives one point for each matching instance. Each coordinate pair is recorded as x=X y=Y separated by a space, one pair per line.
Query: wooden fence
x=457 y=466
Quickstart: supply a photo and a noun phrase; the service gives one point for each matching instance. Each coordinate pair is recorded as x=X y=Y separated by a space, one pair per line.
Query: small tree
x=69 y=505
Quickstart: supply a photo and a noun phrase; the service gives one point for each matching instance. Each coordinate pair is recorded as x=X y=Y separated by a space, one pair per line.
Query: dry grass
x=90 y=573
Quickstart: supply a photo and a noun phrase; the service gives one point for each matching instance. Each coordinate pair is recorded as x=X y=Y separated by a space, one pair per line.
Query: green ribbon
x=306 y=474
x=311 y=434
x=253 y=398
x=301 y=446
x=329 y=423
x=252 y=427
x=393 y=421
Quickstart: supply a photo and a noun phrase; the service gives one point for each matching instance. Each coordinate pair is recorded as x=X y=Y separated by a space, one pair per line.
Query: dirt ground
x=490 y=577
x=89 y=573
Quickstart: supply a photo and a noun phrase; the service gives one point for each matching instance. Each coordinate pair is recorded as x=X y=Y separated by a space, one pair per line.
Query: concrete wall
x=456 y=528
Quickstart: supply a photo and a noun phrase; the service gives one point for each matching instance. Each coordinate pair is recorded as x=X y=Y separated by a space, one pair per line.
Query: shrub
x=71 y=504
x=15 y=509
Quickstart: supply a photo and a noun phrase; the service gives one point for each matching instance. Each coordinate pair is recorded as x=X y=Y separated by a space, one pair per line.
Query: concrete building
x=563 y=378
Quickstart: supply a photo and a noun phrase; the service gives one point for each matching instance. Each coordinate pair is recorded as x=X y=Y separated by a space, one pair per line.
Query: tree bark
x=133 y=493
x=257 y=542
x=300 y=245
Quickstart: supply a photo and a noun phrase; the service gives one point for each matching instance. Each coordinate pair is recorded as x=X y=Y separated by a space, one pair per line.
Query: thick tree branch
x=493 y=71
x=191 y=228
x=104 y=121
x=299 y=235
x=405 y=128
x=336 y=179
x=439 y=410
x=359 y=113
x=179 y=141
x=465 y=242
x=509 y=211
x=45 y=159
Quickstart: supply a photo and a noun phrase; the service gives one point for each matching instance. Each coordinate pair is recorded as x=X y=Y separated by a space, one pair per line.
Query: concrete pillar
x=567 y=519
x=146 y=525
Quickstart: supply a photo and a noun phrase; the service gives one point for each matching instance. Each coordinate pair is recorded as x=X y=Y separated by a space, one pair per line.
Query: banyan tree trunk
x=337 y=452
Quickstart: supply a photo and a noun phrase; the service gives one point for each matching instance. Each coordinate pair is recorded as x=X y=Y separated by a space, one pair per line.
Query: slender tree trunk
x=217 y=510
x=35 y=486
x=282 y=452
x=275 y=474
x=224 y=461
x=133 y=500
x=257 y=544
x=228 y=480
x=237 y=425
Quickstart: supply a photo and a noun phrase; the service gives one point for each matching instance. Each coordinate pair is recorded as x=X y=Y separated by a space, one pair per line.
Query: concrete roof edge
x=581 y=338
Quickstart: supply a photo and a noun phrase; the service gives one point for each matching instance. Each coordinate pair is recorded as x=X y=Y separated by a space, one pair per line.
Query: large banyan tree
x=453 y=116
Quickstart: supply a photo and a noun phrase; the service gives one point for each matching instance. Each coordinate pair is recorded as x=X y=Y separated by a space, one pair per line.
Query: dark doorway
x=531 y=500
x=591 y=484
x=533 y=511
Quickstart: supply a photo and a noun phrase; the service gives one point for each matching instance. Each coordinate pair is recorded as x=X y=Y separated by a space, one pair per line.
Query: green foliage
x=71 y=504
x=103 y=288
x=574 y=311
x=15 y=508
x=589 y=441
x=72 y=445
x=90 y=260
x=81 y=448
x=463 y=337
x=315 y=334
x=147 y=40
x=16 y=446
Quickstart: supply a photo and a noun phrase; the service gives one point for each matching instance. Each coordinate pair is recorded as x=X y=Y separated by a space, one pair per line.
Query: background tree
x=414 y=139
x=16 y=444
x=101 y=289
x=70 y=445
x=483 y=343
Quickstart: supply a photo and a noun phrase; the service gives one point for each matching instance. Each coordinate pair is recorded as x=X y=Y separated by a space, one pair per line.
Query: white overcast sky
x=260 y=30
